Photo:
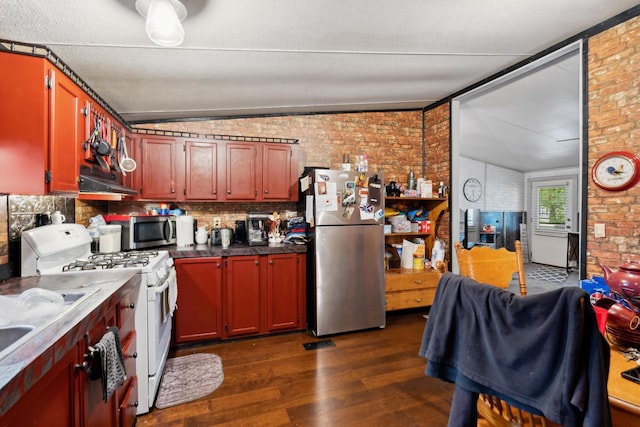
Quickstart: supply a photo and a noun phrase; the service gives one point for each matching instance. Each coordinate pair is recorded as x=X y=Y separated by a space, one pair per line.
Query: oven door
x=159 y=322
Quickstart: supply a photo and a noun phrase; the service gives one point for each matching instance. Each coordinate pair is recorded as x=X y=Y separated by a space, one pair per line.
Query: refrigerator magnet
x=378 y=215
x=348 y=211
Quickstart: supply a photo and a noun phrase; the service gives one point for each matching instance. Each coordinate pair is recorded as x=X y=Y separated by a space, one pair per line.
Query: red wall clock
x=616 y=171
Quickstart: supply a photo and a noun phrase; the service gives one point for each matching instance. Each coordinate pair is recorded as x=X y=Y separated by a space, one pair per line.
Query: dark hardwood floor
x=370 y=378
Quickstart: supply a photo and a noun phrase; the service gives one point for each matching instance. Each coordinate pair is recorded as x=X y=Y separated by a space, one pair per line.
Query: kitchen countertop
x=24 y=366
x=237 y=249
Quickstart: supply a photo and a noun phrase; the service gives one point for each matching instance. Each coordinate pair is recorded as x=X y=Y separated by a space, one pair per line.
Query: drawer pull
x=418 y=282
x=417 y=300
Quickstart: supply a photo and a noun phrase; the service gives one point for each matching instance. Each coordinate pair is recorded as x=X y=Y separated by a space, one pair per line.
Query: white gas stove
x=66 y=249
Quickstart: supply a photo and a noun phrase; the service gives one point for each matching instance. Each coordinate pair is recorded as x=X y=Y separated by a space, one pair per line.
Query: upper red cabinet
x=179 y=169
x=41 y=117
x=241 y=164
x=279 y=172
x=201 y=177
x=159 y=168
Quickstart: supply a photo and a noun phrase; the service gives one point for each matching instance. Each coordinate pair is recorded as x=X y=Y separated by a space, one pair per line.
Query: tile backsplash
x=23 y=210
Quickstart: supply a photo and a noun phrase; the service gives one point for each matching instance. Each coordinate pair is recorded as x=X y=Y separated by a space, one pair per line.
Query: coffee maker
x=258 y=229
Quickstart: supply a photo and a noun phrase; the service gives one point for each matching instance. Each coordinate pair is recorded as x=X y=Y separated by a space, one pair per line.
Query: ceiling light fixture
x=163 y=20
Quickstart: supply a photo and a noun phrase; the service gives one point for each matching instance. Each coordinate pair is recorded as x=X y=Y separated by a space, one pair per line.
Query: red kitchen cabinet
x=199 y=313
x=242 y=295
x=52 y=401
x=42 y=127
x=161 y=174
x=279 y=173
x=127 y=393
x=285 y=301
x=201 y=170
x=241 y=166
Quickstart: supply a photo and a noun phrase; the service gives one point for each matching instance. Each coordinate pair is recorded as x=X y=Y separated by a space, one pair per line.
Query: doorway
x=512 y=134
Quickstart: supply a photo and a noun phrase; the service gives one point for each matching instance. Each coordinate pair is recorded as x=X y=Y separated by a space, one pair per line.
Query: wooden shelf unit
x=408 y=288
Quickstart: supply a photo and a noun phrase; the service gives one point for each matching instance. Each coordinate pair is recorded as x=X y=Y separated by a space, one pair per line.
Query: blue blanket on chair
x=529 y=351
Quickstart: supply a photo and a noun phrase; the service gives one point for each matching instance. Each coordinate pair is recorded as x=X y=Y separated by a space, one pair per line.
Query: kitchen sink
x=14 y=335
x=11 y=334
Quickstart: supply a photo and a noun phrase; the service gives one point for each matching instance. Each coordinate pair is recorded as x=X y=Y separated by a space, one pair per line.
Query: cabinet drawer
x=411 y=280
x=127 y=314
x=129 y=352
x=409 y=299
x=127 y=406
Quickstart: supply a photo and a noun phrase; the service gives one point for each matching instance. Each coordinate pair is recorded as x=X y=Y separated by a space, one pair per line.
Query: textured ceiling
x=243 y=57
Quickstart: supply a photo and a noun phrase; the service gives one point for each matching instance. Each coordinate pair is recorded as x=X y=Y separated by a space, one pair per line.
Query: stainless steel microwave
x=139 y=232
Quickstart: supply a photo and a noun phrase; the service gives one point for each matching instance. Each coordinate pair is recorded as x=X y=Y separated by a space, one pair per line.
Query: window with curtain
x=552 y=210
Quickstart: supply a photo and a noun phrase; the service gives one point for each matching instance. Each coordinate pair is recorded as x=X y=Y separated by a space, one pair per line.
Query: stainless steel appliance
x=66 y=249
x=145 y=231
x=496 y=229
x=258 y=229
x=345 y=271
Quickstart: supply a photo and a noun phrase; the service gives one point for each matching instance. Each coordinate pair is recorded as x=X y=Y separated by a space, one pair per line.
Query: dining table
x=624 y=394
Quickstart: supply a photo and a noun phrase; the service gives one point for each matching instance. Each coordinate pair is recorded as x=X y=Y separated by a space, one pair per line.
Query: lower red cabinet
x=199 y=313
x=237 y=296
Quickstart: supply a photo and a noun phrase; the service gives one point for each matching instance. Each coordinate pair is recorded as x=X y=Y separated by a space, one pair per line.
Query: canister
x=110 y=236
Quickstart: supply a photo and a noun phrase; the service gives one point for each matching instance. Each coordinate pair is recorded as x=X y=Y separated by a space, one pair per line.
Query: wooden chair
x=496 y=267
x=492 y=266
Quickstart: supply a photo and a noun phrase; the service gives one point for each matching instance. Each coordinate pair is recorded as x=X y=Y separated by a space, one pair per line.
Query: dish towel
x=173 y=296
x=108 y=363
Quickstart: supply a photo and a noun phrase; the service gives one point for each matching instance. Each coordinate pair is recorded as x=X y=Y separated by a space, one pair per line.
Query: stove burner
x=85 y=265
x=112 y=260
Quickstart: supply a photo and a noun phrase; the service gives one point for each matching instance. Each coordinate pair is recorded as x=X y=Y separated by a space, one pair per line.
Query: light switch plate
x=599 y=230
x=216 y=222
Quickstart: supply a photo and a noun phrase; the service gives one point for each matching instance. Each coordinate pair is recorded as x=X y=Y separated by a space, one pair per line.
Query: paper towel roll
x=184 y=230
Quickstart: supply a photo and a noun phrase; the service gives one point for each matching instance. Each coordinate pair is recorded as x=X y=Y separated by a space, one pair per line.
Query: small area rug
x=187 y=378
x=548 y=273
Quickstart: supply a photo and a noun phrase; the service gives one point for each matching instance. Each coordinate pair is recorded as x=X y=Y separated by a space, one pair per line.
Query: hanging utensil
x=127 y=164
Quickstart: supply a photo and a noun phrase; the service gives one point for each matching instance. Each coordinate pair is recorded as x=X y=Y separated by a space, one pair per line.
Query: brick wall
x=391 y=140
x=614 y=119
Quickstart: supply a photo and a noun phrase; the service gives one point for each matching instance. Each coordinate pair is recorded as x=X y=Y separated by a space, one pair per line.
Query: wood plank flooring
x=370 y=378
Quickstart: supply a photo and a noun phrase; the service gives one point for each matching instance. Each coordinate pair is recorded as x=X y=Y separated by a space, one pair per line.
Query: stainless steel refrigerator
x=345 y=262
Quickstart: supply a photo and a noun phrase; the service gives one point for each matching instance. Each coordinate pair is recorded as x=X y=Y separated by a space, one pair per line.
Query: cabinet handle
x=218 y=265
x=257 y=262
x=173 y=190
x=82 y=366
x=130 y=306
x=134 y=355
x=418 y=282
x=417 y=300
x=270 y=261
x=266 y=191
x=214 y=192
x=228 y=191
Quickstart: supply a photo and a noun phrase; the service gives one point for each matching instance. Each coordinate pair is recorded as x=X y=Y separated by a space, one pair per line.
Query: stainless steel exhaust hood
x=95 y=181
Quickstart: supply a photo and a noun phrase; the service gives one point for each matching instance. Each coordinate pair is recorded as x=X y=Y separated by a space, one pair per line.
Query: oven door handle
x=167 y=281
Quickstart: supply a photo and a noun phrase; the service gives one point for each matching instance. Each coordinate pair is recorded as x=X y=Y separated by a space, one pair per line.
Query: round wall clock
x=616 y=171
x=472 y=190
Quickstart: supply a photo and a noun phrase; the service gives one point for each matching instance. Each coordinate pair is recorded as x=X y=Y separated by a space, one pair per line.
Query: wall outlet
x=598 y=230
x=216 y=222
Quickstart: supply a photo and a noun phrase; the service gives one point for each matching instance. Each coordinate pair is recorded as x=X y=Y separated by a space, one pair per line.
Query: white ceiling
x=243 y=57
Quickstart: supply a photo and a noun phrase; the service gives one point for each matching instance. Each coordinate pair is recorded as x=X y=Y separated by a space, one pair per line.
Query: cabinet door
x=65 y=132
x=278 y=177
x=241 y=162
x=282 y=292
x=95 y=411
x=201 y=172
x=242 y=299
x=23 y=118
x=199 y=313
x=159 y=169
x=52 y=401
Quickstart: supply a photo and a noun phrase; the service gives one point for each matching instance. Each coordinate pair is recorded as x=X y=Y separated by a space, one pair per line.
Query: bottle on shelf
x=442 y=190
x=412 y=181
